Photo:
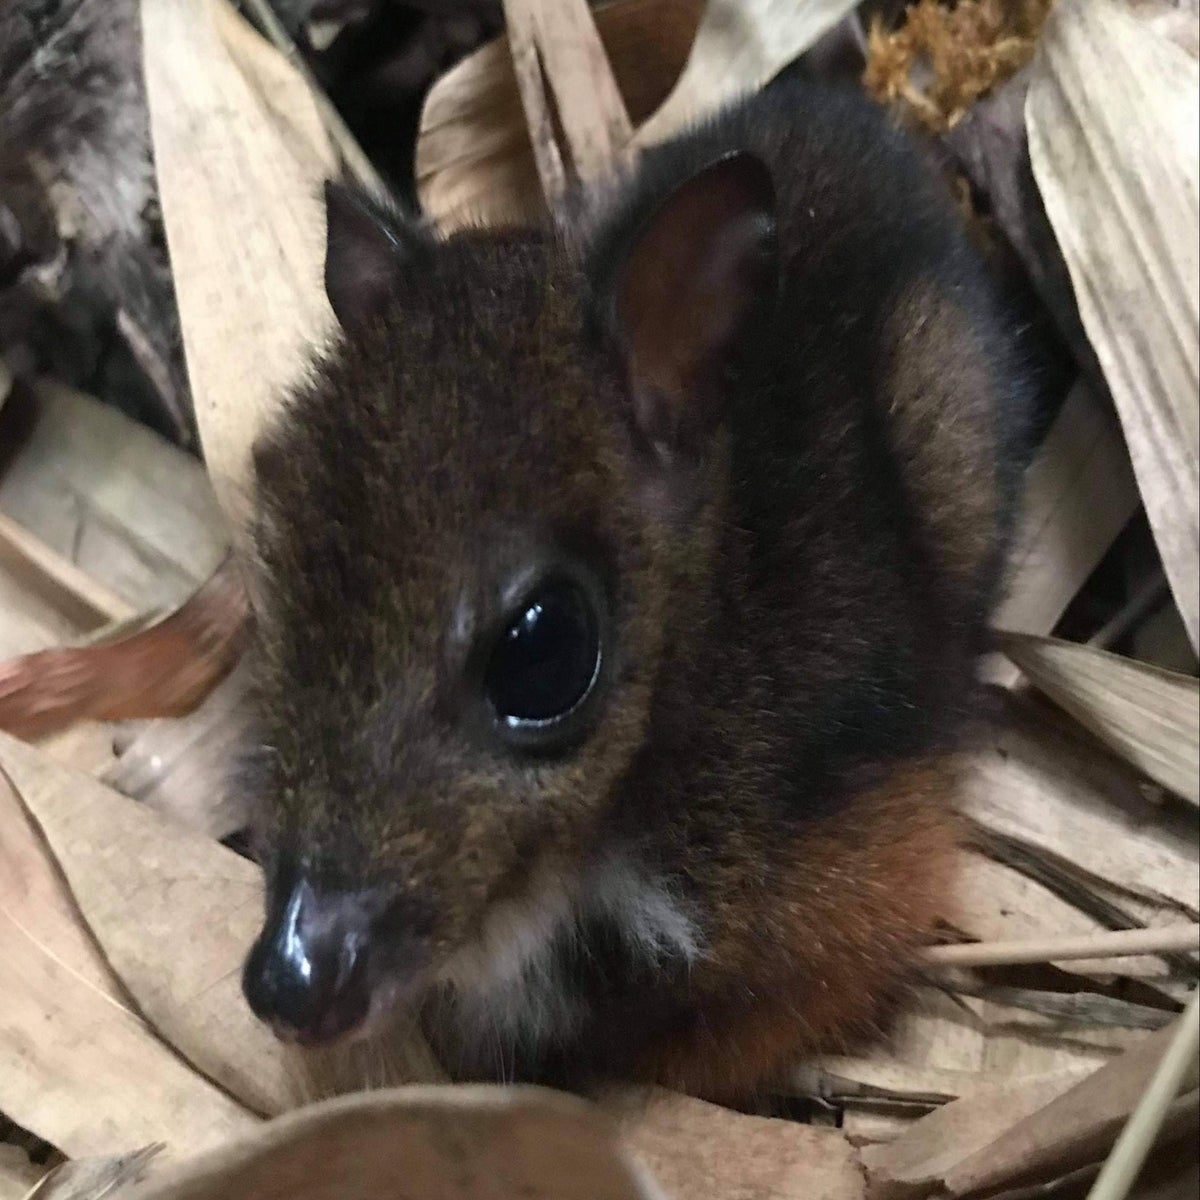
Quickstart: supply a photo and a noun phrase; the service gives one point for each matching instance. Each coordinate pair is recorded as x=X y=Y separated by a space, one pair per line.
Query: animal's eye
x=547 y=660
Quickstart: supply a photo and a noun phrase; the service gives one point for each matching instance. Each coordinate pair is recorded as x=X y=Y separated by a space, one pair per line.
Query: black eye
x=547 y=659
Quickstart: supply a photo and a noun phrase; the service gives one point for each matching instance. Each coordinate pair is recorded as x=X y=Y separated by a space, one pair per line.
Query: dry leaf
x=240 y=153
x=180 y=765
x=1032 y=783
x=162 y=670
x=1113 y=134
x=80 y=1069
x=1079 y=494
x=695 y=1149
x=143 y=884
x=474 y=163
x=95 y=1178
x=431 y=1143
x=1149 y=716
x=1071 y=1129
x=740 y=45
x=17 y=1173
x=131 y=510
x=920 y=1158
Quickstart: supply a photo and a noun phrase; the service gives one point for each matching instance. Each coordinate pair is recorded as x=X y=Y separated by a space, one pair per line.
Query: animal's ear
x=366 y=250
x=694 y=279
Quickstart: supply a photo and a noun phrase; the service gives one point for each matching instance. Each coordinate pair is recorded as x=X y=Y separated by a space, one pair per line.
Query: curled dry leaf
x=437 y=1143
x=164 y=670
x=1113 y=135
x=81 y=1068
x=1149 y=716
x=740 y=45
x=240 y=153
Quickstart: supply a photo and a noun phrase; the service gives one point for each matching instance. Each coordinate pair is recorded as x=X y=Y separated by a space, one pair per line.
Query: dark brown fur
x=796 y=608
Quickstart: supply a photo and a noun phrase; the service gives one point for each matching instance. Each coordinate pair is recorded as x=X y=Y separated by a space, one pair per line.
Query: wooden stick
x=1121 y=1169
x=1120 y=944
x=578 y=124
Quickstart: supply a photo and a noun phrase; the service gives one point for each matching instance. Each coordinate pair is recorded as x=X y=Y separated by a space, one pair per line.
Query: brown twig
x=1121 y=944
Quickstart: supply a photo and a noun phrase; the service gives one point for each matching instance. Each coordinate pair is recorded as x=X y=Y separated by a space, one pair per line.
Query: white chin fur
x=508 y=983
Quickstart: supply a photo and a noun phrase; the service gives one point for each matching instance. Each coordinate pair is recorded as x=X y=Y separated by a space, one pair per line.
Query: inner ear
x=368 y=248
x=696 y=275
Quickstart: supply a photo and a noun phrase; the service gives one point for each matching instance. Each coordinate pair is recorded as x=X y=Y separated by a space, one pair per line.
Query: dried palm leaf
x=1112 y=120
x=1149 y=716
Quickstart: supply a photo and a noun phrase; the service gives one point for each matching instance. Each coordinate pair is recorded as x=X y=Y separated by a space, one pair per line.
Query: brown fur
x=795 y=576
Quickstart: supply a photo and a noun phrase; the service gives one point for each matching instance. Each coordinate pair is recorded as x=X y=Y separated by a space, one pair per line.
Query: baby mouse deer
x=621 y=607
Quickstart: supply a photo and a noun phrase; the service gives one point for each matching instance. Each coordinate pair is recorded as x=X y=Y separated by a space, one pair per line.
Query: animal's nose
x=307 y=975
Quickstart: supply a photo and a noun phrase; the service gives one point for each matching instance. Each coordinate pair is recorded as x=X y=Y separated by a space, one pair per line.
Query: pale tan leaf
x=174 y=914
x=919 y=1159
x=77 y=1066
x=1033 y=783
x=1079 y=493
x=435 y=1143
x=17 y=1173
x=698 y=1149
x=1149 y=716
x=474 y=162
x=240 y=153
x=134 y=512
x=740 y=45
x=1071 y=1129
x=1114 y=129
x=99 y=1178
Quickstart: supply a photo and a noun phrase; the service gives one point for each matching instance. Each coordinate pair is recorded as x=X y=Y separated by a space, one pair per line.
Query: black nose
x=307 y=975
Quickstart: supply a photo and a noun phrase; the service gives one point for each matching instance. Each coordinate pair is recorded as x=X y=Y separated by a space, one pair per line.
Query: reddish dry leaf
x=165 y=670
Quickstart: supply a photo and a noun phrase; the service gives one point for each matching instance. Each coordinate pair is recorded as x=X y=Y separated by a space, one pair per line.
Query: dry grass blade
x=1129 y=1154
x=102 y=1078
x=432 y=1142
x=240 y=152
x=163 y=670
x=1112 y=121
x=740 y=45
x=1149 y=716
x=1100 y=945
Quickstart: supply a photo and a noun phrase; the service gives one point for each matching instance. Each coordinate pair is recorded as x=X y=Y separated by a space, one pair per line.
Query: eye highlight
x=546 y=661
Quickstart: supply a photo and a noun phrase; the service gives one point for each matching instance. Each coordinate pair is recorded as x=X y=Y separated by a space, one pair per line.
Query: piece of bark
x=1113 y=134
x=81 y=1068
x=163 y=670
x=1150 y=717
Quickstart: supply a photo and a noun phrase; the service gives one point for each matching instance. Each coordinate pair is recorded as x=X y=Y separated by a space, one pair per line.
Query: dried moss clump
x=943 y=57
